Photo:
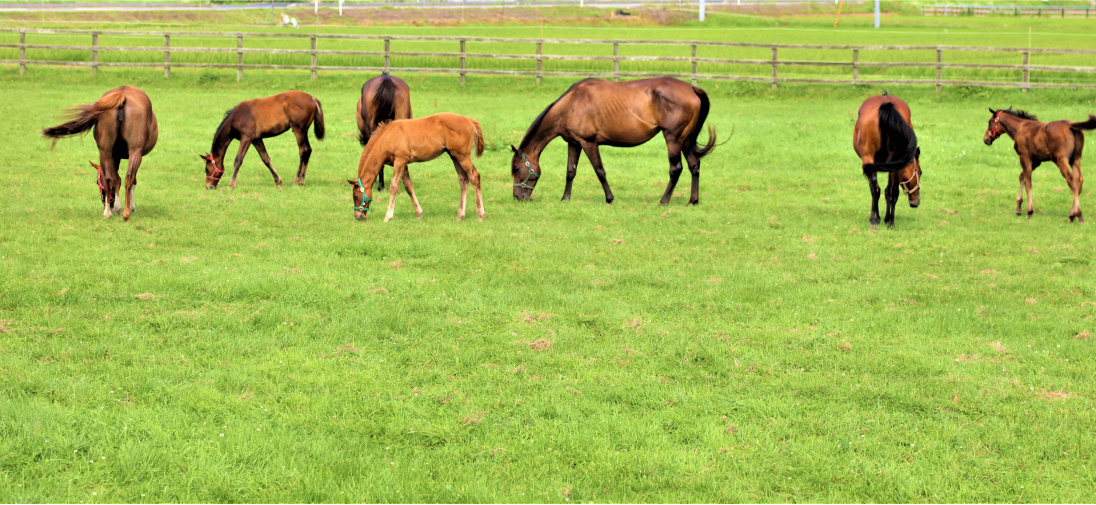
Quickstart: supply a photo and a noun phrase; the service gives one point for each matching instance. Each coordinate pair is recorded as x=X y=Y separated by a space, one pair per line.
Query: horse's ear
x=512 y=148
x=205 y=156
x=352 y=182
x=97 y=167
x=991 y=111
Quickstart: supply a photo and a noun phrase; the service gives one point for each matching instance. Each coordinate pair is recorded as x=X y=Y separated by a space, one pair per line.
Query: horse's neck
x=220 y=143
x=1013 y=124
x=371 y=165
x=540 y=139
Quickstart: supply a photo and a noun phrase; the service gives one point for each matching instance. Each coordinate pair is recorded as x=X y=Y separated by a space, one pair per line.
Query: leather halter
x=905 y=185
x=531 y=173
x=217 y=172
x=995 y=129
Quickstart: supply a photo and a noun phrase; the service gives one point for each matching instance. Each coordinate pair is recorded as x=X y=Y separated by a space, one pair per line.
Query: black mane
x=1022 y=114
x=217 y=134
x=536 y=122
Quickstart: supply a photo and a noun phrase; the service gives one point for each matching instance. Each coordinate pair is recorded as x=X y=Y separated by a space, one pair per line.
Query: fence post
x=313 y=58
x=694 y=64
x=462 y=62
x=239 y=57
x=1026 y=76
x=939 y=68
x=540 y=62
x=855 y=65
x=167 y=56
x=774 y=67
x=22 y=51
x=616 y=62
x=95 y=54
x=387 y=57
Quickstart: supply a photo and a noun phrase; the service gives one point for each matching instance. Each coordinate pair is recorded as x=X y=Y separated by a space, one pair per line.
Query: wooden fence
x=850 y=67
x=1008 y=10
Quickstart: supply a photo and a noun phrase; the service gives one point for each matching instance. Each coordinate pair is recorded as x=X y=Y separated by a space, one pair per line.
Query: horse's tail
x=477 y=137
x=1087 y=125
x=384 y=101
x=896 y=139
x=317 y=126
x=84 y=117
x=691 y=140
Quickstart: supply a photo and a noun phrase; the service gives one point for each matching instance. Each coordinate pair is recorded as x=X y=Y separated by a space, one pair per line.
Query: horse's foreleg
x=591 y=150
x=411 y=192
x=131 y=182
x=873 y=185
x=675 y=172
x=462 y=176
x=1026 y=178
x=891 y=196
x=305 y=150
x=244 y=144
x=573 y=150
x=473 y=177
x=394 y=188
x=260 y=147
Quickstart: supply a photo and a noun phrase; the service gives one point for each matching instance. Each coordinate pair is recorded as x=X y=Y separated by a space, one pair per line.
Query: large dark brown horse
x=124 y=128
x=594 y=112
x=884 y=140
x=383 y=99
x=254 y=120
x=1059 y=142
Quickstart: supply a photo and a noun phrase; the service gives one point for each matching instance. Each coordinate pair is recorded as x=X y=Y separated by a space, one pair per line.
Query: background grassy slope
x=762 y=346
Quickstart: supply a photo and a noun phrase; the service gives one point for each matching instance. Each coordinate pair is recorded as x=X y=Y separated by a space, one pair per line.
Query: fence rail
x=1018 y=75
x=1008 y=10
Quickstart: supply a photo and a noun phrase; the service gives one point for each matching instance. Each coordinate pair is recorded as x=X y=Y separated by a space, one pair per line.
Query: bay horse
x=594 y=112
x=253 y=120
x=124 y=127
x=384 y=98
x=416 y=140
x=1060 y=142
x=885 y=142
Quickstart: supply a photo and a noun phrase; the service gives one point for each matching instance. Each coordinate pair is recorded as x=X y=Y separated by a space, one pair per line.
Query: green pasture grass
x=259 y=344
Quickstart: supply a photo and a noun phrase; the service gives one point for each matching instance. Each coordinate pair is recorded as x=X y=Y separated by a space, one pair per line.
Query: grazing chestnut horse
x=124 y=128
x=594 y=112
x=254 y=120
x=383 y=99
x=884 y=140
x=415 y=140
x=1060 y=142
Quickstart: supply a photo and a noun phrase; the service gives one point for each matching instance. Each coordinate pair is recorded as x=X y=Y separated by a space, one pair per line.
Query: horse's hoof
x=125 y=217
x=694 y=202
x=608 y=201
x=297 y=182
x=1030 y=212
x=875 y=226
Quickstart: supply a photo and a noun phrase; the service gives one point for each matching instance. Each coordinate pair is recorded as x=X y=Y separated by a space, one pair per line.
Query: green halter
x=531 y=173
x=365 y=199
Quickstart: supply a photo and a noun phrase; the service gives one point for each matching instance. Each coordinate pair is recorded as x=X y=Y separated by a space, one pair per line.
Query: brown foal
x=384 y=98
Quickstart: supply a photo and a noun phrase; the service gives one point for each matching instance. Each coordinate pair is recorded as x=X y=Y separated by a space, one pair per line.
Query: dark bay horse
x=384 y=98
x=124 y=128
x=254 y=120
x=415 y=140
x=884 y=140
x=1059 y=142
x=594 y=112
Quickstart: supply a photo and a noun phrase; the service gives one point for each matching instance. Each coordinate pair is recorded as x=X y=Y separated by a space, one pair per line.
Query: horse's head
x=910 y=178
x=99 y=180
x=212 y=170
x=994 y=129
x=360 y=199
x=526 y=174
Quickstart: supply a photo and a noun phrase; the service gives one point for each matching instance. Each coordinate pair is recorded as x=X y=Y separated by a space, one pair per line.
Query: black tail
x=1087 y=125
x=691 y=140
x=384 y=107
x=318 y=125
x=897 y=142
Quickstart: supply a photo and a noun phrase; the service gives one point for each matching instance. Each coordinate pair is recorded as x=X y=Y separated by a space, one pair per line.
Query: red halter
x=995 y=129
x=217 y=172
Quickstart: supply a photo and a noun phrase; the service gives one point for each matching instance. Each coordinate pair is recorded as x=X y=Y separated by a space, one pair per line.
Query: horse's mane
x=536 y=122
x=1022 y=114
x=380 y=128
x=217 y=134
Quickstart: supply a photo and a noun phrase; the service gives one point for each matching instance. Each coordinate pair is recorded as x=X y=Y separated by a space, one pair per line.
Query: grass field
x=258 y=344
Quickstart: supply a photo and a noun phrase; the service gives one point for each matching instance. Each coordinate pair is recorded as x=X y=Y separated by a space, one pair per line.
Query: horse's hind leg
x=411 y=192
x=674 y=151
x=131 y=181
x=244 y=144
x=573 y=150
x=260 y=147
x=462 y=176
x=1074 y=185
x=473 y=177
x=592 y=152
x=694 y=169
x=306 y=152
x=891 y=196
x=1078 y=184
x=873 y=185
